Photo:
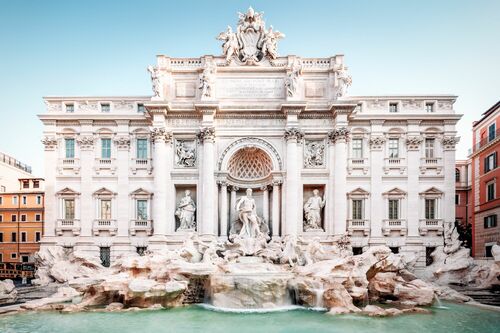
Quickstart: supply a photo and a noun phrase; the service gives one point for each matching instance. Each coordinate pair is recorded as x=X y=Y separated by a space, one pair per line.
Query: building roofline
x=487 y=113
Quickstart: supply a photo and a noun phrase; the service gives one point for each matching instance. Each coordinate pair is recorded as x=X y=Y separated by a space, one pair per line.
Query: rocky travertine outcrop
x=8 y=292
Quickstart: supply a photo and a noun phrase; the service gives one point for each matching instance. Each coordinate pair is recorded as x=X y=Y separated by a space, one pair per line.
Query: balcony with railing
x=68 y=166
x=397 y=225
x=431 y=164
x=355 y=225
x=141 y=164
x=141 y=225
x=394 y=163
x=4 y=158
x=486 y=141
x=106 y=225
x=360 y=164
x=426 y=225
x=71 y=225
x=105 y=164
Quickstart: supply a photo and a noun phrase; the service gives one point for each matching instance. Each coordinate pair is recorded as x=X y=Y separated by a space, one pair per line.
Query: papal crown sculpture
x=252 y=42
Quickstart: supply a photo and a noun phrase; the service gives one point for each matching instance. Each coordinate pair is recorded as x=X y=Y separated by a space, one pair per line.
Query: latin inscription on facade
x=250 y=88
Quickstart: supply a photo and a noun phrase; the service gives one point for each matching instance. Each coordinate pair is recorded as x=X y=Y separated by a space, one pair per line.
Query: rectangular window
x=38 y=236
x=105 y=254
x=70 y=108
x=105 y=107
x=1 y=200
x=1 y=237
x=141 y=108
x=142 y=149
x=490 y=162
x=429 y=107
x=490 y=221
x=457 y=175
x=430 y=209
x=457 y=199
x=36 y=184
x=14 y=200
x=13 y=255
x=393 y=107
x=38 y=217
x=428 y=255
x=1 y=218
x=429 y=148
x=357 y=209
x=490 y=191
x=357 y=148
x=26 y=184
x=38 y=199
x=105 y=209
x=24 y=237
x=357 y=250
x=25 y=200
x=13 y=237
x=105 y=148
x=142 y=210
x=23 y=218
x=69 y=145
x=393 y=148
x=491 y=132
x=69 y=209
x=488 y=252
x=393 y=209
x=13 y=218
x=25 y=258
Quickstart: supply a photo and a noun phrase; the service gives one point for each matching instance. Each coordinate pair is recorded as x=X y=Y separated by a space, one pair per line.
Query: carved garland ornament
x=160 y=133
x=86 y=142
x=339 y=134
x=449 y=142
x=122 y=142
x=49 y=142
x=413 y=142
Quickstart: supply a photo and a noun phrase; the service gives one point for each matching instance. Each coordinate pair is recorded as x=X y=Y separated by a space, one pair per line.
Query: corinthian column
x=160 y=138
x=292 y=187
x=339 y=137
x=208 y=186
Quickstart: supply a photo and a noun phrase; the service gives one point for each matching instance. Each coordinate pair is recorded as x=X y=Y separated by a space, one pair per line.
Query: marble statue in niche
x=249 y=224
x=185 y=212
x=314 y=154
x=185 y=153
x=312 y=210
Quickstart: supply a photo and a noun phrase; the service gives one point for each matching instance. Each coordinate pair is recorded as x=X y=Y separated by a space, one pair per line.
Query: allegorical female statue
x=312 y=210
x=185 y=212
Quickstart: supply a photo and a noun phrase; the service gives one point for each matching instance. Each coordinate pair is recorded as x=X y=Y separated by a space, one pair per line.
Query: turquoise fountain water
x=454 y=319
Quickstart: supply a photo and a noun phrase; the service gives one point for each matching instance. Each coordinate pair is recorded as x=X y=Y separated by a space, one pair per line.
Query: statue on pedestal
x=312 y=210
x=185 y=212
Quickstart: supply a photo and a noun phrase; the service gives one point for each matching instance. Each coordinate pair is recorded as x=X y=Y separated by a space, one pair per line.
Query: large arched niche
x=250 y=161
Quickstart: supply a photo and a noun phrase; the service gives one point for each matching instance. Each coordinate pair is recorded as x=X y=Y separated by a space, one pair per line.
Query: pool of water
x=452 y=319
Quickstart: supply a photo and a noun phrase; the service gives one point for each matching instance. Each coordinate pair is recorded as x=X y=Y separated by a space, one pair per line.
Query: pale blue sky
x=103 y=48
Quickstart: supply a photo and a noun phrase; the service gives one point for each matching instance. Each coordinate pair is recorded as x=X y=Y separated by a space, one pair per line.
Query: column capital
x=413 y=142
x=86 y=142
x=376 y=142
x=233 y=188
x=206 y=134
x=340 y=134
x=50 y=142
x=122 y=142
x=449 y=142
x=293 y=134
x=160 y=134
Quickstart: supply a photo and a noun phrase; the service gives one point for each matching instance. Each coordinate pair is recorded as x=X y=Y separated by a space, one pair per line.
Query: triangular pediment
x=395 y=191
x=67 y=191
x=104 y=192
x=140 y=192
x=432 y=191
x=359 y=191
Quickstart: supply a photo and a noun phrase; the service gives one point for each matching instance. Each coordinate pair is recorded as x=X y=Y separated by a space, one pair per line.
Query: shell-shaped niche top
x=250 y=163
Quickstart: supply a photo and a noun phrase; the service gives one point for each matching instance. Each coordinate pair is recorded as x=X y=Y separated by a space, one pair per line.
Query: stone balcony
x=426 y=225
x=68 y=166
x=141 y=225
x=396 y=164
x=71 y=225
x=138 y=164
x=105 y=165
x=356 y=165
x=433 y=164
x=358 y=225
x=397 y=225
x=104 y=225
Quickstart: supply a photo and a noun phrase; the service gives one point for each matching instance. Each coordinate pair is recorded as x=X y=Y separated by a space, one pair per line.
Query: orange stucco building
x=21 y=221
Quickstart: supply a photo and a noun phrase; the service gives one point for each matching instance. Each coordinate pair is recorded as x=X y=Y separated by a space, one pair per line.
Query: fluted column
x=339 y=136
x=265 y=204
x=376 y=214
x=292 y=187
x=223 y=212
x=208 y=186
x=87 y=204
x=413 y=143
x=232 y=203
x=160 y=138
x=276 y=208
x=122 y=142
x=330 y=197
x=448 y=143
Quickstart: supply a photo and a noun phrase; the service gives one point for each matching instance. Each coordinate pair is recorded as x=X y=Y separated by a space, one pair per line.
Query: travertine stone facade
x=282 y=126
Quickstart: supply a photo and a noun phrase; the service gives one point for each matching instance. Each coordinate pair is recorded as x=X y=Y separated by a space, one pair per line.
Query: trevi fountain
x=253 y=276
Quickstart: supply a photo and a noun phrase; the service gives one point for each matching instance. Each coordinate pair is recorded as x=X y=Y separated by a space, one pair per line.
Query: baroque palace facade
x=133 y=173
